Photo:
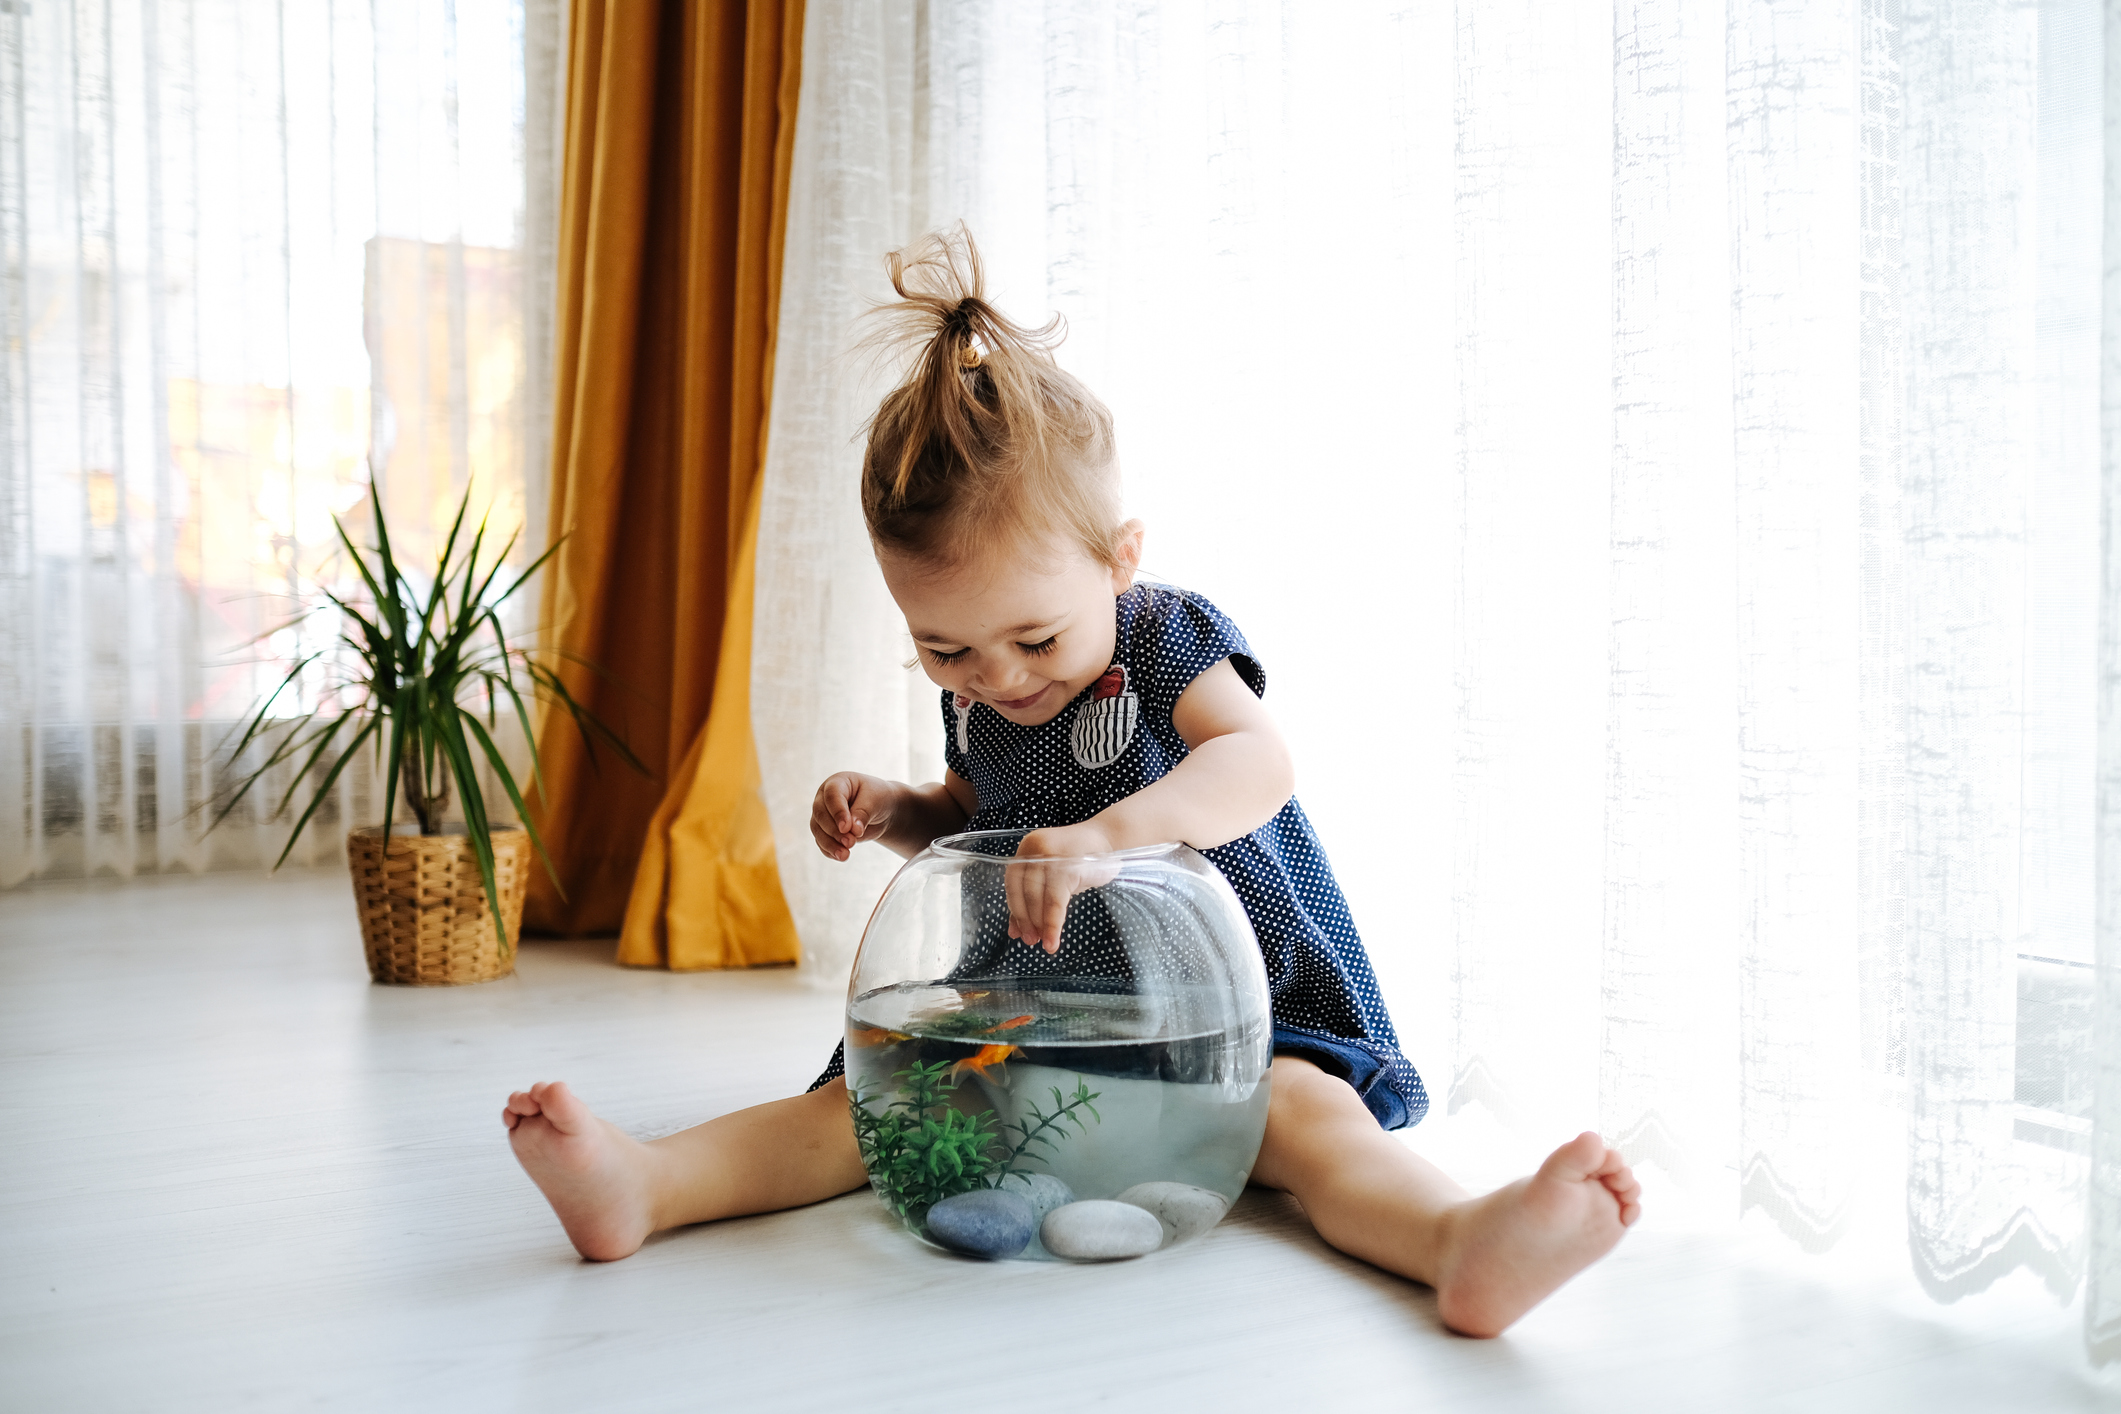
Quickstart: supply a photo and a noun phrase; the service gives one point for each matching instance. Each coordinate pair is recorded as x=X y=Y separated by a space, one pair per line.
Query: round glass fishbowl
x=1102 y=1100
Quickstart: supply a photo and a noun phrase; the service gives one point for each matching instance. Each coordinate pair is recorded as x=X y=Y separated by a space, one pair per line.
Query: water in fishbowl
x=1150 y=1099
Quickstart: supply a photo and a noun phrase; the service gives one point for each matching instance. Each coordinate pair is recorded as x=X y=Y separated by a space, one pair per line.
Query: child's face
x=1022 y=633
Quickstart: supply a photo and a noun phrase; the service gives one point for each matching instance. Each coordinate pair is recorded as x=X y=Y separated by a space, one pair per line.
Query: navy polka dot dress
x=1116 y=738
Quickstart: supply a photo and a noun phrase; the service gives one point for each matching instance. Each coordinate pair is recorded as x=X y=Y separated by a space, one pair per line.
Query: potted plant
x=440 y=902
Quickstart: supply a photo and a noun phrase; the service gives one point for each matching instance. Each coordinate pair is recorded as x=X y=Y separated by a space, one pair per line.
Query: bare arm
x=1236 y=776
x=850 y=808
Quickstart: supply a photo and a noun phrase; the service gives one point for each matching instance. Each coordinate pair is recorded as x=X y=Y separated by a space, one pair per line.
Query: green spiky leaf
x=425 y=667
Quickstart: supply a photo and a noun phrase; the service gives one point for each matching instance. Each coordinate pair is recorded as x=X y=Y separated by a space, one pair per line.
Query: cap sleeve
x=1177 y=637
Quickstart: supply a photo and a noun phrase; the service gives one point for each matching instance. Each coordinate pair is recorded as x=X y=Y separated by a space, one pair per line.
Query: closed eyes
x=1031 y=650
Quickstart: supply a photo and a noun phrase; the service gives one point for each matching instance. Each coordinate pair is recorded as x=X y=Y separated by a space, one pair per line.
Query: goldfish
x=866 y=1036
x=988 y=1056
x=1011 y=1024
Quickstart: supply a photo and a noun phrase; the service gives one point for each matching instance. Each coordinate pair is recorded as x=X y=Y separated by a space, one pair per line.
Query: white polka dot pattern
x=1326 y=1003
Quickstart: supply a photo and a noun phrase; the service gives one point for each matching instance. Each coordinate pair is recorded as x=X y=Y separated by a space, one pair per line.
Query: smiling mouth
x=1020 y=703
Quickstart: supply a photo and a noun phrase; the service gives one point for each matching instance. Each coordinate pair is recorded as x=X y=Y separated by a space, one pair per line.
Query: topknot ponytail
x=987 y=440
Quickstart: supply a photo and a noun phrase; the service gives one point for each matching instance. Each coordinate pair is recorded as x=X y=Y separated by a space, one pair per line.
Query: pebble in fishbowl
x=1100 y=1103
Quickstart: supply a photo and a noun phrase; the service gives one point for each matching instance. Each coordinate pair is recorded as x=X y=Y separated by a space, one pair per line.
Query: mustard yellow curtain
x=680 y=129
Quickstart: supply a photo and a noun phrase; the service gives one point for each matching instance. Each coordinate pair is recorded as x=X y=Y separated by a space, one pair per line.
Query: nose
x=1007 y=690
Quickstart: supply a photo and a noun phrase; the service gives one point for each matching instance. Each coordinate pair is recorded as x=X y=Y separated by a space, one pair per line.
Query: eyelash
x=1035 y=650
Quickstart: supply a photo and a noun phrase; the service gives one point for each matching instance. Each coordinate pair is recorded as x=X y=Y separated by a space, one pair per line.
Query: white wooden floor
x=234 y=1175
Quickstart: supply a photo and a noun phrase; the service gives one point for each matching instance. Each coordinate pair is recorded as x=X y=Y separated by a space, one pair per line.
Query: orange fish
x=988 y=1056
x=866 y=1036
x=1011 y=1024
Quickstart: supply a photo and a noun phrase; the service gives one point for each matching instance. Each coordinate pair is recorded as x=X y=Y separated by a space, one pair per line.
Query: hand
x=850 y=808
x=1039 y=893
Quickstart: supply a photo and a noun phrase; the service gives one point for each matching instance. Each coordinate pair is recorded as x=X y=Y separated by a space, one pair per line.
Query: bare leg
x=1491 y=1259
x=610 y=1191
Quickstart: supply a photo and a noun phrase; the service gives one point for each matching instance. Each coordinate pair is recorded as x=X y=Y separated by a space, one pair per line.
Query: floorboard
x=237 y=1176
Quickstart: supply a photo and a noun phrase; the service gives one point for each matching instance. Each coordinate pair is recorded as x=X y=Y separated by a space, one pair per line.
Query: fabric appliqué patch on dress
x=964 y=720
x=1104 y=726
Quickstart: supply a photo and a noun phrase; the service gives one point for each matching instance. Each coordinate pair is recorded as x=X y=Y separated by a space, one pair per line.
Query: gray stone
x=1184 y=1211
x=1100 y=1230
x=1042 y=1191
x=983 y=1223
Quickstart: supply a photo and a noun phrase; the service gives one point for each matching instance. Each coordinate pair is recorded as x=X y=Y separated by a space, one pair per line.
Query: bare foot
x=1508 y=1251
x=596 y=1178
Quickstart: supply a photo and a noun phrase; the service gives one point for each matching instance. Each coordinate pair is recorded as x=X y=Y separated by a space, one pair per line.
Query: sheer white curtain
x=253 y=254
x=1655 y=452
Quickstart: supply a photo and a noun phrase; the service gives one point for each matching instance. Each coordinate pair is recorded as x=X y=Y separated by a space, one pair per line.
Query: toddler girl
x=992 y=498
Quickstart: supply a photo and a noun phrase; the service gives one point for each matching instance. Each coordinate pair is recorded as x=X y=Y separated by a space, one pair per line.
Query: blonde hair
x=988 y=443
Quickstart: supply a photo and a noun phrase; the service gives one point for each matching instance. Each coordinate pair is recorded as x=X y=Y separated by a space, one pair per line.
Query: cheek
x=1083 y=663
x=941 y=674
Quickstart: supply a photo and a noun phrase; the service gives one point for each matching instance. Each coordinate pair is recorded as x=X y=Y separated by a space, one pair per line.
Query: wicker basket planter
x=423 y=909
x=414 y=664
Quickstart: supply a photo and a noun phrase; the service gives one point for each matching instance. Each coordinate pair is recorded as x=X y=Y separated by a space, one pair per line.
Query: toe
x=562 y=1107
x=1579 y=1159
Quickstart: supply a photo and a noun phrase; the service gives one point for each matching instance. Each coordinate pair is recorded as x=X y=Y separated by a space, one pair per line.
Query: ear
x=1127 y=550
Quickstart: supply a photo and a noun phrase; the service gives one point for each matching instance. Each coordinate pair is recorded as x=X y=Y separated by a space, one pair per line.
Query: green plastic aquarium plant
x=432 y=674
x=920 y=1150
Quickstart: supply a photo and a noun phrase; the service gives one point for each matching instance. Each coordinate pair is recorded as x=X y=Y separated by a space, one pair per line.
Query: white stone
x=1100 y=1230
x=1184 y=1210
